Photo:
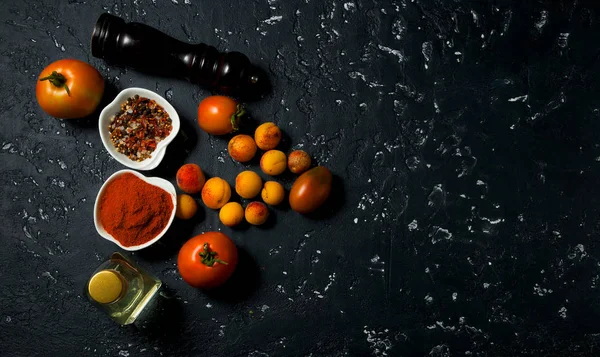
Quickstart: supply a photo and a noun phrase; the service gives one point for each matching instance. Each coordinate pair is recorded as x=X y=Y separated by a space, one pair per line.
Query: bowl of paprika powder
x=134 y=211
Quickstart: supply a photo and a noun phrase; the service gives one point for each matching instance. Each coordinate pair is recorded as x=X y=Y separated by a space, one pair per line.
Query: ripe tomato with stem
x=207 y=260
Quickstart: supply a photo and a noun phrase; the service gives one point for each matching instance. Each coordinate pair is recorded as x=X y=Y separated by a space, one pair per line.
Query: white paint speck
x=521 y=98
x=475 y=17
x=375 y=259
x=274 y=251
x=428 y=299
x=577 y=252
x=349 y=6
x=562 y=312
x=379 y=341
x=438 y=234
x=399 y=28
x=47 y=274
x=273 y=20
x=427 y=51
x=540 y=291
x=169 y=94
x=541 y=22
x=563 y=39
x=389 y=146
x=413 y=225
x=331 y=281
x=355 y=220
x=392 y=51
x=436 y=106
x=493 y=221
x=356 y=74
x=454 y=296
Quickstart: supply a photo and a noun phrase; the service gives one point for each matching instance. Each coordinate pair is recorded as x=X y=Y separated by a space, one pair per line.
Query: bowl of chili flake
x=134 y=211
x=137 y=126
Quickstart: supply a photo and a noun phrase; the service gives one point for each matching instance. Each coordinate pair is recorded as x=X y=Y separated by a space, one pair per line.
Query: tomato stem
x=57 y=80
x=209 y=258
x=235 y=117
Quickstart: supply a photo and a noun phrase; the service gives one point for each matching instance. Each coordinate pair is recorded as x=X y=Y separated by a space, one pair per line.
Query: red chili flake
x=138 y=127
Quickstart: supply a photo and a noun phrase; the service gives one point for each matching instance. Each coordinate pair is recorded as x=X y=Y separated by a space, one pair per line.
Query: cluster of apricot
x=216 y=192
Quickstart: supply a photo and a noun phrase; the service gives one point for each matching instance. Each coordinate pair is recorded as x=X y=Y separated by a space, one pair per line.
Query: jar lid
x=105 y=286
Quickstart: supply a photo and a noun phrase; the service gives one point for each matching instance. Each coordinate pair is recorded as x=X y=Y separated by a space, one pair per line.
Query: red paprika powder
x=133 y=211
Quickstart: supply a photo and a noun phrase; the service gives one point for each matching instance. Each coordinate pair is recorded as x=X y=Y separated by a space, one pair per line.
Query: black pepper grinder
x=145 y=48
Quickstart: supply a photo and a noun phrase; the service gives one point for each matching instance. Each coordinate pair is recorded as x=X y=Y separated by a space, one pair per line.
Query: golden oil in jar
x=121 y=289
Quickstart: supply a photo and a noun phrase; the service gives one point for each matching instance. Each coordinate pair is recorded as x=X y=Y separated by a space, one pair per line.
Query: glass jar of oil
x=121 y=288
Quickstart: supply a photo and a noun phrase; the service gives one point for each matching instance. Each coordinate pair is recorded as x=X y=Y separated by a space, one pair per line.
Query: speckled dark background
x=464 y=139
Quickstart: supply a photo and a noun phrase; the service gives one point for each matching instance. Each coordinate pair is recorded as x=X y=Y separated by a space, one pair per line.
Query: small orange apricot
x=216 y=193
x=186 y=206
x=231 y=214
x=242 y=148
x=267 y=136
x=298 y=161
x=273 y=162
x=190 y=178
x=248 y=184
x=257 y=213
x=272 y=193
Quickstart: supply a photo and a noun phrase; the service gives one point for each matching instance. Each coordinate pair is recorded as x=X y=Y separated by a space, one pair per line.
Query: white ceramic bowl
x=113 y=107
x=156 y=181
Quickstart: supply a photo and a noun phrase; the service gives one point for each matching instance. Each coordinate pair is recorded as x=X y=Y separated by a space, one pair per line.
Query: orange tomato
x=207 y=260
x=69 y=89
x=310 y=190
x=219 y=115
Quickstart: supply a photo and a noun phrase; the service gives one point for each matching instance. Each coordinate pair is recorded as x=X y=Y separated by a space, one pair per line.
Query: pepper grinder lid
x=105 y=36
x=105 y=286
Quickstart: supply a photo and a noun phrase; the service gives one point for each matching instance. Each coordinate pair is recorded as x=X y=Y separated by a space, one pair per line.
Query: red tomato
x=219 y=115
x=207 y=260
x=69 y=89
x=310 y=190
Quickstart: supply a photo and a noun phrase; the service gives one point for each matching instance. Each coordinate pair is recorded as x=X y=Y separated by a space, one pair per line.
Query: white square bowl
x=155 y=181
x=113 y=107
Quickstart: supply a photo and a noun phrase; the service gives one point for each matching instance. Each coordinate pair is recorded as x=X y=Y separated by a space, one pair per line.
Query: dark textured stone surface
x=464 y=138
